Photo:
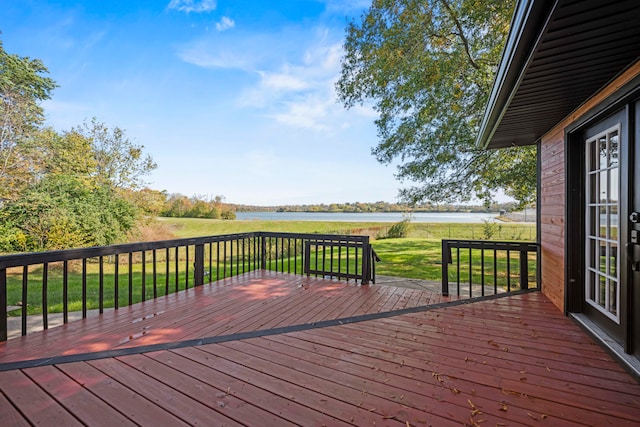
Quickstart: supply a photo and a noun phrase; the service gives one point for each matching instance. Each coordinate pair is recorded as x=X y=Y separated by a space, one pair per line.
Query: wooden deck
x=274 y=349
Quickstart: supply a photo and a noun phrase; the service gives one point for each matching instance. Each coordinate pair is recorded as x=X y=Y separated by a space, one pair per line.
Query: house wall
x=552 y=216
x=552 y=192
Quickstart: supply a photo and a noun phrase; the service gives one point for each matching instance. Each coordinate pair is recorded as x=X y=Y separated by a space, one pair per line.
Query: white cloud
x=189 y=6
x=283 y=82
x=309 y=113
x=301 y=93
x=200 y=55
x=296 y=71
x=225 y=23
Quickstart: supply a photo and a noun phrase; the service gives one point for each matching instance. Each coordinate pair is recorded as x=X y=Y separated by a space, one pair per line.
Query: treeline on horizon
x=359 y=207
x=213 y=207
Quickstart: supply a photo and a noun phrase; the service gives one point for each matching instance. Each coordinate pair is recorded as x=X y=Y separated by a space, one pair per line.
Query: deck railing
x=489 y=267
x=120 y=275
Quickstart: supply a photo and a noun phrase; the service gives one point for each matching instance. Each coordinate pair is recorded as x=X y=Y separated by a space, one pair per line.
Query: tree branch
x=465 y=42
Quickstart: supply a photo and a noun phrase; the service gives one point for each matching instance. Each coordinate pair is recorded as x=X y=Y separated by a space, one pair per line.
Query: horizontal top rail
x=448 y=244
x=17 y=260
x=491 y=244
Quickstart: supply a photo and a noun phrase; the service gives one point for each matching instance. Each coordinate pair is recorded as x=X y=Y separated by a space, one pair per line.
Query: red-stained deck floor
x=507 y=361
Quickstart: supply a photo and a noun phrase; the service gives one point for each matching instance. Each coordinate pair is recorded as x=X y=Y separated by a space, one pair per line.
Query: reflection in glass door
x=602 y=284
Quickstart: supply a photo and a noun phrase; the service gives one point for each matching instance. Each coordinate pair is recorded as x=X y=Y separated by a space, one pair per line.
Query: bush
x=399 y=229
x=61 y=211
x=12 y=239
x=489 y=229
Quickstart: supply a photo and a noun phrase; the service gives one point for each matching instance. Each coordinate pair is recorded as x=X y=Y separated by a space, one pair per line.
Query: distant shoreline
x=454 y=217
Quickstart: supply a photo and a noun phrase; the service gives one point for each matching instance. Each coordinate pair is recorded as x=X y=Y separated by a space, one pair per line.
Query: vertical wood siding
x=552 y=217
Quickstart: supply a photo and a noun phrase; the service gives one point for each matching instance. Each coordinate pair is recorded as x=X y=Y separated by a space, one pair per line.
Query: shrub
x=489 y=229
x=399 y=229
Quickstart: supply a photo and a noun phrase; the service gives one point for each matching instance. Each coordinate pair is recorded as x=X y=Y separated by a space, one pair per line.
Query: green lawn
x=409 y=257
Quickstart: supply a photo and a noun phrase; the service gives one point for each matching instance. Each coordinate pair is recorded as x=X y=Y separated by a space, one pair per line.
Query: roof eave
x=527 y=26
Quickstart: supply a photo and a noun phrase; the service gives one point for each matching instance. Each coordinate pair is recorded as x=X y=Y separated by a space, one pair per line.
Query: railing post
x=366 y=259
x=306 y=265
x=263 y=254
x=446 y=258
x=198 y=271
x=524 y=268
x=373 y=266
x=3 y=304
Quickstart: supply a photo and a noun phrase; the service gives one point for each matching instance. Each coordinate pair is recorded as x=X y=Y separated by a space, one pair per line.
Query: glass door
x=602 y=260
x=604 y=177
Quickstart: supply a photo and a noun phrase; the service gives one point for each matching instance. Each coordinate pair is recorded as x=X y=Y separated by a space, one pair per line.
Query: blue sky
x=230 y=97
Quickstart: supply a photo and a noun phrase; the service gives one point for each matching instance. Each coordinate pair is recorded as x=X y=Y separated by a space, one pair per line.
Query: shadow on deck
x=269 y=348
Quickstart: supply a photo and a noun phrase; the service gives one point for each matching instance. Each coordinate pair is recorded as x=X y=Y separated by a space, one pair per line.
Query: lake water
x=368 y=216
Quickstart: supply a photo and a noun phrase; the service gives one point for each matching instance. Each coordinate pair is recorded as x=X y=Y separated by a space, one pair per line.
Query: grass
x=409 y=257
x=416 y=256
x=194 y=227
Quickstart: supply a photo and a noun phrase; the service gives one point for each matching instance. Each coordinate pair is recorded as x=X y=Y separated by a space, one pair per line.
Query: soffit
x=568 y=50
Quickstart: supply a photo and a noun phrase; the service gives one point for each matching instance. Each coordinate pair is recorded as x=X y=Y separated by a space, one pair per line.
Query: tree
x=23 y=86
x=120 y=163
x=62 y=211
x=428 y=67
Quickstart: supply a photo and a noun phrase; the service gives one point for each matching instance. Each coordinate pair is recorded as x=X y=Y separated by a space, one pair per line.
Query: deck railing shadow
x=121 y=275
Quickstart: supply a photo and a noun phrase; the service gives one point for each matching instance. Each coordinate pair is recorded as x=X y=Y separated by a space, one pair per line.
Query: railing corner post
x=3 y=304
x=524 y=268
x=446 y=258
x=198 y=271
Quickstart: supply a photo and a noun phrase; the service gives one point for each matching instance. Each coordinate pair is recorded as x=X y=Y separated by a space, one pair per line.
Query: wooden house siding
x=553 y=187
x=552 y=213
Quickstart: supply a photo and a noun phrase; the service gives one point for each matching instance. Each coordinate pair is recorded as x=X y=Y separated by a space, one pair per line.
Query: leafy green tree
x=23 y=85
x=120 y=163
x=151 y=202
x=66 y=153
x=427 y=68
x=177 y=206
x=62 y=211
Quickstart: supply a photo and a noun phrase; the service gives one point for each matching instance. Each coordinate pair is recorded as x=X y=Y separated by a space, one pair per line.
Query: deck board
x=234 y=407
x=134 y=406
x=84 y=405
x=194 y=363
x=10 y=414
x=511 y=361
x=32 y=401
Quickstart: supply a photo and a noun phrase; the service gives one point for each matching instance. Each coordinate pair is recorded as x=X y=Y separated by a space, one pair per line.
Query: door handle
x=635 y=264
